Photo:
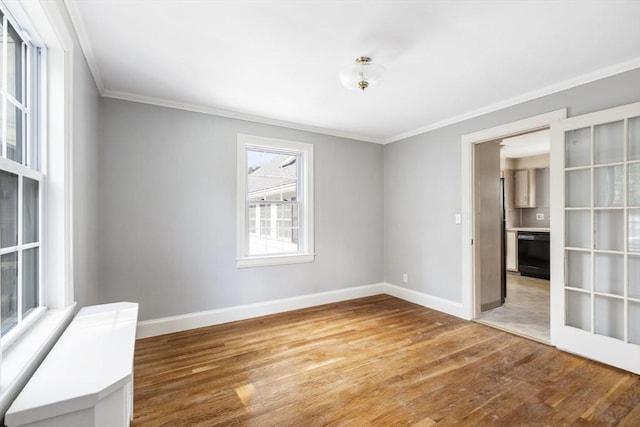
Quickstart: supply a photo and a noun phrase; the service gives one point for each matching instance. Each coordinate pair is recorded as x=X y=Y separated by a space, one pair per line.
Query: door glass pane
x=609 y=273
x=579 y=310
x=634 y=276
x=29 y=210
x=609 y=143
x=8 y=209
x=609 y=317
x=634 y=322
x=609 y=182
x=578 y=148
x=9 y=302
x=14 y=133
x=609 y=230
x=634 y=139
x=30 y=270
x=578 y=229
x=578 y=188
x=579 y=269
x=634 y=184
x=634 y=230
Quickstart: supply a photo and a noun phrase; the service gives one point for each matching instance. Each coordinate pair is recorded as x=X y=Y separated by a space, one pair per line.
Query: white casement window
x=275 y=201
x=21 y=182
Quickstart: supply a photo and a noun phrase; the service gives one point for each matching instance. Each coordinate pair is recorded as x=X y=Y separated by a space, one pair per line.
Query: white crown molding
x=558 y=87
x=127 y=96
x=85 y=44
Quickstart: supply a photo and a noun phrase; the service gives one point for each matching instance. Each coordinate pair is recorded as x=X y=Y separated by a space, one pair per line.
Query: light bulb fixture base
x=362 y=74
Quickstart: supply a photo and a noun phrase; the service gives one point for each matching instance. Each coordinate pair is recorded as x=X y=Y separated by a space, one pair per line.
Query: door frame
x=470 y=291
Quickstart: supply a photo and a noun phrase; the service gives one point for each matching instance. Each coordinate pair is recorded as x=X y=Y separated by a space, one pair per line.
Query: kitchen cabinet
x=525 y=188
x=512 y=250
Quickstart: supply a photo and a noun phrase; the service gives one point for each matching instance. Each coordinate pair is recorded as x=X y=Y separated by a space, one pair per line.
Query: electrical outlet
x=405 y=278
x=540 y=216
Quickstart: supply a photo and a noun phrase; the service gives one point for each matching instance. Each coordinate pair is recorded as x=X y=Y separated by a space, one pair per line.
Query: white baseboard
x=426 y=300
x=167 y=325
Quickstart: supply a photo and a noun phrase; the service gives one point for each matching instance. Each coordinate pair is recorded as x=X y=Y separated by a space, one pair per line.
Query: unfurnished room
x=319 y=213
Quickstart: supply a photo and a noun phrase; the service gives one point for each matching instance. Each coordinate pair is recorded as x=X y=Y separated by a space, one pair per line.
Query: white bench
x=87 y=378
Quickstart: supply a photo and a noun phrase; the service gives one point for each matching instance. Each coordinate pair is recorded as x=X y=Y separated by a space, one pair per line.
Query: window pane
x=609 y=273
x=634 y=230
x=609 y=317
x=609 y=230
x=578 y=310
x=9 y=304
x=578 y=188
x=8 y=209
x=609 y=182
x=578 y=148
x=609 y=143
x=14 y=64
x=271 y=176
x=634 y=184
x=273 y=229
x=1 y=41
x=634 y=322
x=29 y=211
x=634 y=276
x=578 y=227
x=634 y=139
x=14 y=132
x=578 y=269
x=30 y=270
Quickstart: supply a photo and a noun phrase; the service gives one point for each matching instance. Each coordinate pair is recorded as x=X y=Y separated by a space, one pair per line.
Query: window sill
x=22 y=359
x=264 y=261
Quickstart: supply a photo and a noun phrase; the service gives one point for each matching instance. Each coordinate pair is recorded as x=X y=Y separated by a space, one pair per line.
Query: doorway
x=518 y=287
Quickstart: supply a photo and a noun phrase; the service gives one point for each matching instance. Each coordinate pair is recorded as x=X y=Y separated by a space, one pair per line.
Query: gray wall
x=167 y=236
x=85 y=133
x=422 y=185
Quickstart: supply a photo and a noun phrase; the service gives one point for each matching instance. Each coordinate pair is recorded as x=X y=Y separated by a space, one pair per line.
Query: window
x=21 y=181
x=275 y=201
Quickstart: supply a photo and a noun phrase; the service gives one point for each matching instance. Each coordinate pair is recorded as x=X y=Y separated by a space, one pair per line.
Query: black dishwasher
x=533 y=254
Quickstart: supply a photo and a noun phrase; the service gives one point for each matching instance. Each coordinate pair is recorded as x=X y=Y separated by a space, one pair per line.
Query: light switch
x=458 y=218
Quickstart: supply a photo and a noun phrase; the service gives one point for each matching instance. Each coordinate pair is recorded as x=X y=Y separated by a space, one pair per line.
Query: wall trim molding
x=183 y=322
x=426 y=300
x=167 y=325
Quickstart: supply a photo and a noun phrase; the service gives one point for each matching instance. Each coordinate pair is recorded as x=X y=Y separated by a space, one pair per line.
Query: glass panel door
x=595 y=285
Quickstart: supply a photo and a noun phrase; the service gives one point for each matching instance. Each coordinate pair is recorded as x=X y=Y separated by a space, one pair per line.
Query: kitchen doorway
x=524 y=307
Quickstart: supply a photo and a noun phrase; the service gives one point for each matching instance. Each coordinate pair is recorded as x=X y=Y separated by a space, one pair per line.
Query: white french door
x=595 y=236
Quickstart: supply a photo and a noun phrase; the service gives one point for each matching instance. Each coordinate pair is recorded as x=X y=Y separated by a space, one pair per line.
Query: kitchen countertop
x=529 y=229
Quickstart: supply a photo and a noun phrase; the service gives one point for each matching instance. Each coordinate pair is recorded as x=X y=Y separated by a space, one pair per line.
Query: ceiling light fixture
x=362 y=74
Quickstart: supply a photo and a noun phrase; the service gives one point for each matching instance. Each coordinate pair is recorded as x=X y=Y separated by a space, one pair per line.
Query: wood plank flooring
x=372 y=361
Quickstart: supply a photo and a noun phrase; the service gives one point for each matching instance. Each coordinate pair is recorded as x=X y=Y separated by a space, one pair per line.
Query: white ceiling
x=530 y=144
x=278 y=61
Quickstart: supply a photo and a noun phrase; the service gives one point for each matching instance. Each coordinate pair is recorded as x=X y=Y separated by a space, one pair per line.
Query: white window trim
x=47 y=22
x=306 y=253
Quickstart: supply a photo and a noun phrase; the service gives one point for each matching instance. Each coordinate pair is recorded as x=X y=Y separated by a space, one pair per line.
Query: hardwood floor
x=371 y=361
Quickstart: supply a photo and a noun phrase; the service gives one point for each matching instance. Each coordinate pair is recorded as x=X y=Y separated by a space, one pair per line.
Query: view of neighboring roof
x=278 y=173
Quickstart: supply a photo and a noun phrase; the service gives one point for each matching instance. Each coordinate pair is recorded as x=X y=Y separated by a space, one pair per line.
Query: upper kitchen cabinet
x=525 y=188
